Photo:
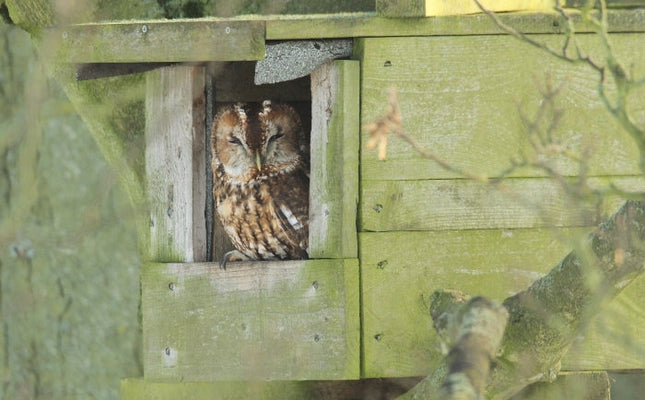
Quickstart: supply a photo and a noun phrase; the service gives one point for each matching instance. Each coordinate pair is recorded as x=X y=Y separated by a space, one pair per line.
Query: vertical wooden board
x=400 y=270
x=465 y=204
x=287 y=320
x=334 y=160
x=460 y=95
x=175 y=164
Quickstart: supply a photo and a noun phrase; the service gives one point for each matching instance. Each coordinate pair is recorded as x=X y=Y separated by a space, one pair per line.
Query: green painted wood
x=174 y=161
x=334 y=160
x=368 y=25
x=465 y=204
x=401 y=8
x=610 y=3
x=139 y=389
x=587 y=385
x=459 y=98
x=286 y=320
x=614 y=340
x=399 y=271
x=160 y=41
x=207 y=39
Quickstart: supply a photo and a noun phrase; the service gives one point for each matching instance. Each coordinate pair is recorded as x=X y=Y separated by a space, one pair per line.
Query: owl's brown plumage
x=261 y=182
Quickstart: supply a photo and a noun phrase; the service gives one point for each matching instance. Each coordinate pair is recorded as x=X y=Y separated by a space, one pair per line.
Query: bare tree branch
x=475 y=328
x=545 y=319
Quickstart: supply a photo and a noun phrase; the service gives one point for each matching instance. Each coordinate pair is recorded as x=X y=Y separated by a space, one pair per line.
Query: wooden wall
x=424 y=228
x=384 y=234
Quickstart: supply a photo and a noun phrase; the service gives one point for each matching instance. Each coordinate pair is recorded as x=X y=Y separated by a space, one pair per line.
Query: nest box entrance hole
x=232 y=82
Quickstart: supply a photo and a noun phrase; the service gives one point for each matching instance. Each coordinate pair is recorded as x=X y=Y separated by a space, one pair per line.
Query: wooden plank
x=334 y=160
x=175 y=164
x=627 y=383
x=460 y=102
x=587 y=385
x=399 y=271
x=615 y=339
x=401 y=8
x=367 y=25
x=139 y=389
x=610 y=3
x=428 y=8
x=465 y=204
x=207 y=39
x=163 y=41
x=287 y=320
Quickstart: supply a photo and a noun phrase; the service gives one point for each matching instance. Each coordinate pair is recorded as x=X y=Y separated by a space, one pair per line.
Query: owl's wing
x=292 y=208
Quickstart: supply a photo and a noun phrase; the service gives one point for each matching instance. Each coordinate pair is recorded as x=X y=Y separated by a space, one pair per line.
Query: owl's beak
x=258 y=161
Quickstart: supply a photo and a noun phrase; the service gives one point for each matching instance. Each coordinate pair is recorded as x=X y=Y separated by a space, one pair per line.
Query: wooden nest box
x=383 y=234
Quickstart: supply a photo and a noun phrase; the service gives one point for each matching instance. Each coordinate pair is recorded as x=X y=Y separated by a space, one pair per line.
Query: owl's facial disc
x=232 y=149
x=258 y=139
x=281 y=139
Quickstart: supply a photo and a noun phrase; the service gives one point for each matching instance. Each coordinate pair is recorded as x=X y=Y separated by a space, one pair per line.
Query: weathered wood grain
x=175 y=164
x=399 y=270
x=264 y=320
x=464 y=204
x=334 y=160
x=207 y=39
x=460 y=98
x=587 y=385
x=427 y=8
x=162 y=41
x=367 y=25
x=610 y=3
x=140 y=389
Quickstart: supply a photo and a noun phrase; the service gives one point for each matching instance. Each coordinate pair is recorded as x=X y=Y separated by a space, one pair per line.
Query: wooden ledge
x=287 y=320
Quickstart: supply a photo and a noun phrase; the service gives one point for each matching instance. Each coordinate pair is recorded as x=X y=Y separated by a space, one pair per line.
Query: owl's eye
x=275 y=137
x=235 y=141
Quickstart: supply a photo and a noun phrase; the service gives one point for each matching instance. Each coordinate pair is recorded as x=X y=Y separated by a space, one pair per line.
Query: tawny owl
x=261 y=181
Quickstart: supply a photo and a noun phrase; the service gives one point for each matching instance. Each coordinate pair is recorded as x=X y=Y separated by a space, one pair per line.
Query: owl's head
x=255 y=139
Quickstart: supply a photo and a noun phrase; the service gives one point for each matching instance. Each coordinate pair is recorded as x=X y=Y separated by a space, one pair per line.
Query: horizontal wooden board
x=139 y=389
x=400 y=270
x=287 y=320
x=208 y=39
x=160 y=41
x=460 y=98
x=465 y=204
x=587 y=385
x=368 y=25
